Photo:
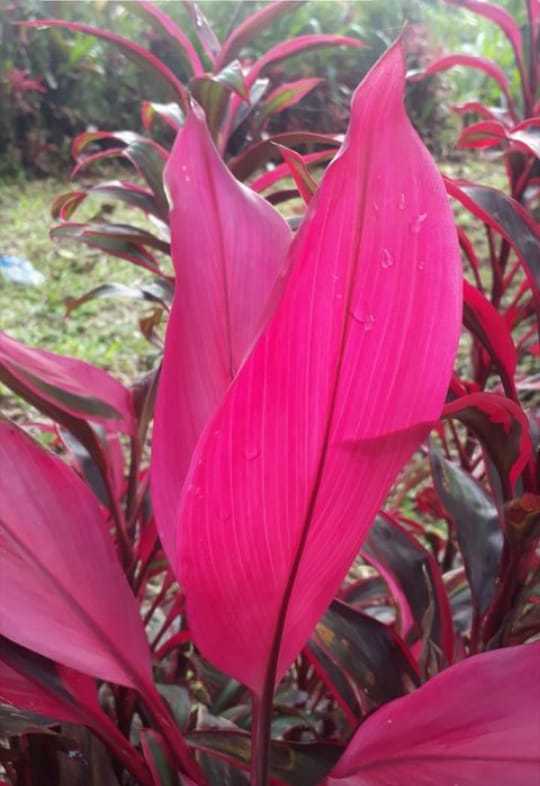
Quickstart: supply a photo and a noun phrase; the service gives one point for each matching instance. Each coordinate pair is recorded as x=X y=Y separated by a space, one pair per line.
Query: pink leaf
x=287 y=94
x=340 y=389
x=70 y=384
x=62 y=591
x=229 y=247
x=476 y=722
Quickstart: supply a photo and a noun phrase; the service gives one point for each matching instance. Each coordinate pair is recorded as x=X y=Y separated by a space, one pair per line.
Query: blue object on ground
x=20 y=271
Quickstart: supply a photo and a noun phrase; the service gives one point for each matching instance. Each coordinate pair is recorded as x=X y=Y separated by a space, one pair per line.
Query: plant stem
x=179 y=750
x=261 y=734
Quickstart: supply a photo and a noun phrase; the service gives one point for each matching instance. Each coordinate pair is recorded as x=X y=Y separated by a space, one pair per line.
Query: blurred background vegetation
x=55 y=84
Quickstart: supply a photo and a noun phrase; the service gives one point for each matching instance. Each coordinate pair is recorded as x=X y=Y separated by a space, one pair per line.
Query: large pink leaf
x=229 y=247
x=62 y=591
x=340 y=389
x=70 y=384
x=476 y=722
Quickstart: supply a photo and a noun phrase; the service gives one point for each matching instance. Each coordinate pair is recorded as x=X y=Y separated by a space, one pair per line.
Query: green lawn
x=104 y=332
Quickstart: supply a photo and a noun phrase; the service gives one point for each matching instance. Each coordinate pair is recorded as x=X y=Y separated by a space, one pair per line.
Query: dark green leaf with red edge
x=221 y=773
x=138 y=54
x=507 y=217
x=76 y=387
x=459 y=595
x=155 y=753
x=489 y=327
x=170 y=113
x=370 y=653
x=89 y=764
x=337 y=682
x=245 y=108
x=147 y=157
x=33 y=682
x=159 y=291
x=14 y=722
x=252 y=26
x=477 y=524
x=296 y=764
x=255 y=156
x=205 y=33
x=212 y=92
x=118 y=240
x=163 y=23
x=503 y=430
x=305 y=183
x=415 y=581
x=286 y=95
x=487 y=133
x=125 y=191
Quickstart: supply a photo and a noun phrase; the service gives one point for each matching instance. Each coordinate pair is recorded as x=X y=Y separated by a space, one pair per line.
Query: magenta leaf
x=70 y=384
x=63 y=593
x=427 y=738
x=224 y=278
x=338 y=392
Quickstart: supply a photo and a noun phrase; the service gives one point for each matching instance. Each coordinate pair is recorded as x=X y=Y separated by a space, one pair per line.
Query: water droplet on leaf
x=251 y=453
x=387 y=259
x=402 y=201
x=416 y=225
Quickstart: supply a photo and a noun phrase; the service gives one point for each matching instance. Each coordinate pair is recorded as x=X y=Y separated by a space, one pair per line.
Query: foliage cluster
x=196 y=618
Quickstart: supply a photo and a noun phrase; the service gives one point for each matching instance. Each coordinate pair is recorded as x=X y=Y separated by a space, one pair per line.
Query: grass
x=103 y=332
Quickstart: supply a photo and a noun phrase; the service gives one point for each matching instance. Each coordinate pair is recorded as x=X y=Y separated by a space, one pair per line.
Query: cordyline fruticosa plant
x=300 y=374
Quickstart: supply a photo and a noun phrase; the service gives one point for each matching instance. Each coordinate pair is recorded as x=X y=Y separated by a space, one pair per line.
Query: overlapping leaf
x=229 y=248
x=339 y=390
x=476 y=722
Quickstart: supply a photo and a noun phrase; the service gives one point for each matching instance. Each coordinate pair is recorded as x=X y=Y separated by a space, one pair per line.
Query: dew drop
x=376 y=207
x=366 y=319
x=251 y=453
x=187 y=179
x=402 y=202
x=387 y=259
x=416 y=225
x=225 y=515
x=183 y=168
x=389 y=721
x=420 y=264
x=339 y=296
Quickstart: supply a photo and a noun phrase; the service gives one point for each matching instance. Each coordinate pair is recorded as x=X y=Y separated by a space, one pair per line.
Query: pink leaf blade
x=63 y=592
x=224 y=279
x=337 y=393
x=427 y=738
x=76 y=387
